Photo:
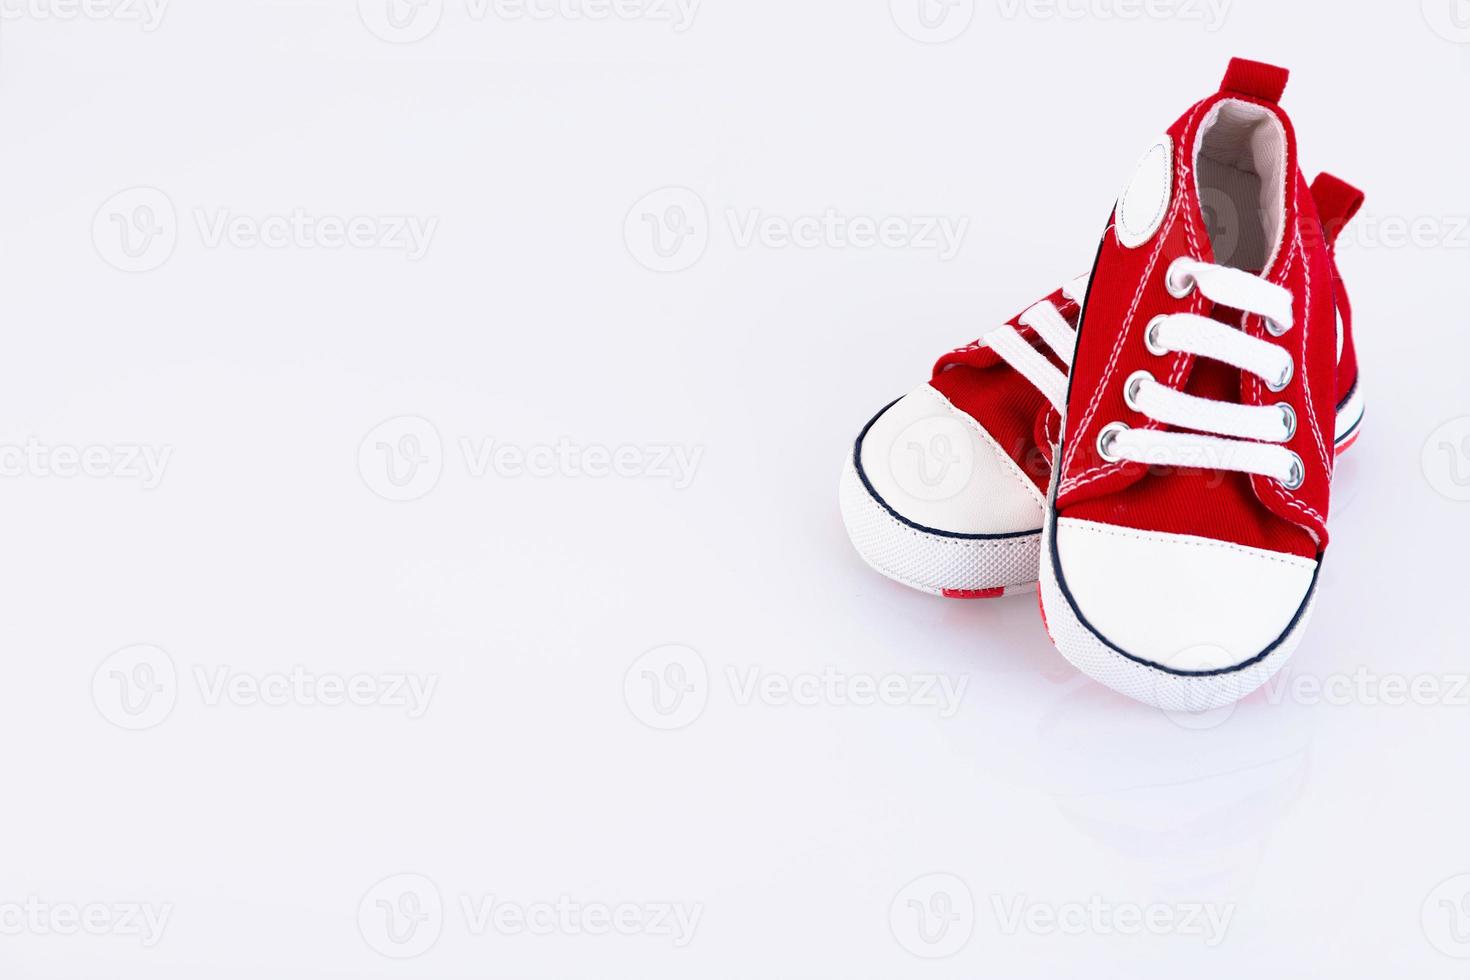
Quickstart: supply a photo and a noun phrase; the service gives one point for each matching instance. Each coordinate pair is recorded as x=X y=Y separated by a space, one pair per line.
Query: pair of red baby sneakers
x=1153 y=443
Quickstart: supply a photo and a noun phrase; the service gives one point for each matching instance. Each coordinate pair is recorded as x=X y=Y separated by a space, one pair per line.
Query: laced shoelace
x=1225 y=436
x=1055 y=332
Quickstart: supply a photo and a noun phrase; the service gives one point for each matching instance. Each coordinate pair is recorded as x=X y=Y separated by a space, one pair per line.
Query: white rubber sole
x=954 y=566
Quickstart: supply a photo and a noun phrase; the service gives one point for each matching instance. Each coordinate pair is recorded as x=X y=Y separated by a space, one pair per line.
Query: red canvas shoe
x=944 y=490
x=1187 y=519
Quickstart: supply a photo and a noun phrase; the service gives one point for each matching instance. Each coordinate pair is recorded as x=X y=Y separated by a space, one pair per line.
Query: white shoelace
x=1226 y=436
x=1054 y=330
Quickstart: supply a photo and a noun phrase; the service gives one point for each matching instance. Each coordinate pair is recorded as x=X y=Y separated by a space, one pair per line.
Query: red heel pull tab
x=1256 y=79
x=1337 y=202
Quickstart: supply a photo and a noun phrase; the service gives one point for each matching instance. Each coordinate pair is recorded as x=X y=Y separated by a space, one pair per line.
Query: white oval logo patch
x=1145 y=201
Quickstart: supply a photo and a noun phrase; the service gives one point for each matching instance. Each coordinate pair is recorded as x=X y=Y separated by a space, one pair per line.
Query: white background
x=1328 y=828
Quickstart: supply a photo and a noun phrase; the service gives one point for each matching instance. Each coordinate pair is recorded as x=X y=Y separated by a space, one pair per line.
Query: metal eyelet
x=1106 y=439
x=1280 y=384
x=1275 y=329
x=1288 y=418
x=1151 y=337
x=1297 y=476
x=1180 y=284
x=1134 y=388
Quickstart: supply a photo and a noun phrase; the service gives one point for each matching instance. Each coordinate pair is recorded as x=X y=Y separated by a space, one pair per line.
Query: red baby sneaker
x=944 y=489
x=1213 y=376
x=943 y=524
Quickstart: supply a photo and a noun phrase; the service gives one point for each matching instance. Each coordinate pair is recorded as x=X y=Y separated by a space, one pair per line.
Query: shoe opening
x=1240 y=166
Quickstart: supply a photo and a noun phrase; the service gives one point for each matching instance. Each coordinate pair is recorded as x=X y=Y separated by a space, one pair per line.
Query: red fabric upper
x=979 y=383
x=1128 y=290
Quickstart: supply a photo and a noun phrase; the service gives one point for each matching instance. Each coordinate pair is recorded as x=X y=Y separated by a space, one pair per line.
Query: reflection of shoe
x=1188 y=517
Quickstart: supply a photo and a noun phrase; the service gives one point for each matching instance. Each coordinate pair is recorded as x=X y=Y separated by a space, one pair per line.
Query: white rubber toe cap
x=936 y=468
x=1186 y=604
